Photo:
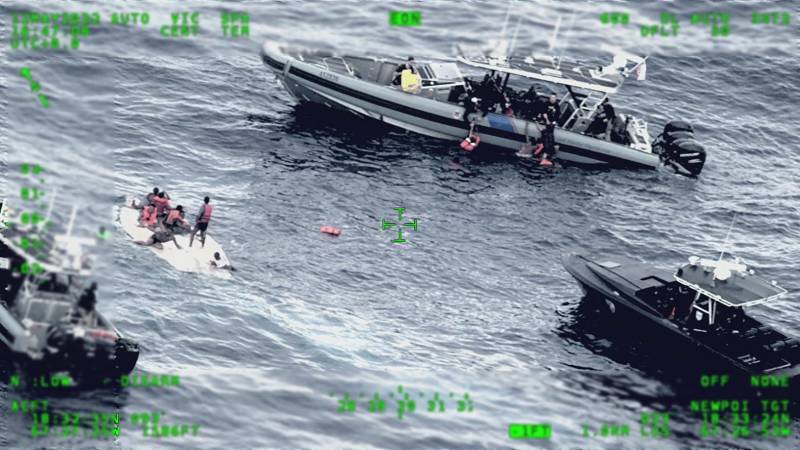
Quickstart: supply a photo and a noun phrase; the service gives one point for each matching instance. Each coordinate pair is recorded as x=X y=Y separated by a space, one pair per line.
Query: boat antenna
x=725 y=244
x=569 y=28
x=49 y=211
x=514 y=38
x=555 y=34
x=508 y=14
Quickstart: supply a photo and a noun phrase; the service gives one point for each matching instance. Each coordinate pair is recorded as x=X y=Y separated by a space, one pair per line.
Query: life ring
x=331 y=230
x=470 y=142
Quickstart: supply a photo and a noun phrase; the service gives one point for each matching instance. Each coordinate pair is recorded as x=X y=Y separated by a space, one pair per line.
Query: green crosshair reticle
x=385 y=225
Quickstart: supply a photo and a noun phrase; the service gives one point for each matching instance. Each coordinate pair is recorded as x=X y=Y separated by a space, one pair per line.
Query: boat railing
x=337 y=64
x=637 y=129
x=587 y=107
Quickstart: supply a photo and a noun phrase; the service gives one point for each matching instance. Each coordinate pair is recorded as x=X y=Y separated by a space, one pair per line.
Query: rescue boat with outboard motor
x=702 y=304
x=440 y=106
x=41 y=324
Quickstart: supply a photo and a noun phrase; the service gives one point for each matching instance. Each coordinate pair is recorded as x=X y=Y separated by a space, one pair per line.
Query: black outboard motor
x=93 y=349
x=678 y=149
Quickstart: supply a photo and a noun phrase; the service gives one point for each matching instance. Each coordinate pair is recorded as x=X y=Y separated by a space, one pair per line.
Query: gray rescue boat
x=364 y=85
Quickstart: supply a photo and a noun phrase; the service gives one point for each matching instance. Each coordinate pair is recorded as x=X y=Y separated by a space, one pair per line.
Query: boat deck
x=758 y=347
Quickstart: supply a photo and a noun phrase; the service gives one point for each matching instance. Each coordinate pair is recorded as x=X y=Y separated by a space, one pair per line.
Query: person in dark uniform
x=527 y=103
x=86 y=303
x=604 y=119
x=548 y=142
x=408 y=65
x=551 y=111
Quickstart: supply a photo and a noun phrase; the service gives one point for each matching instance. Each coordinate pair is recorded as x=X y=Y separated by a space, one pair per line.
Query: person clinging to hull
x=161 y=236
x=203 y=218
x=221 y=262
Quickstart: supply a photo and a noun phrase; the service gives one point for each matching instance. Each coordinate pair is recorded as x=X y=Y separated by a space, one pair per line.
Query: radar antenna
x=725 y=244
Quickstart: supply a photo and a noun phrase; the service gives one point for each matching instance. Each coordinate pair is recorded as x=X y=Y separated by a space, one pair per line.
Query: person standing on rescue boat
x=203 y=218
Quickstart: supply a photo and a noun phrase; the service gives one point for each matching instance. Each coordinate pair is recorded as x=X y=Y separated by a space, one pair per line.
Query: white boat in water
x=364 y=85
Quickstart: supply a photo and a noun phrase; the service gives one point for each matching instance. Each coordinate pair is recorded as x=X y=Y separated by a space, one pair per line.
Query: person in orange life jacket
x=148 y=218
x=175 y=218
x=148 y=200
x=162 y=203
x=202 y=222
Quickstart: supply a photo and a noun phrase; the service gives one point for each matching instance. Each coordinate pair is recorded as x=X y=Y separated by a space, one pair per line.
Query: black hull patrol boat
x=440 y=102
x=41 y=325
x=701 y=304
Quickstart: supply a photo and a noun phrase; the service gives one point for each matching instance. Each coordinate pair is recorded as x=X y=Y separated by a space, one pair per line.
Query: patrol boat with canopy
x=363 y=85
x=41 y=324
x=702 y=303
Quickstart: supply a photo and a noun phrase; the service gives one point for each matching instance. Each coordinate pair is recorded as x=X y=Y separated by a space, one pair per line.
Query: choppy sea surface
x=477 y=301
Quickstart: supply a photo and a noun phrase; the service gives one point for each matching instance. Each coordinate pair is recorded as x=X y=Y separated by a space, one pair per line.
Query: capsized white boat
x=194 y=259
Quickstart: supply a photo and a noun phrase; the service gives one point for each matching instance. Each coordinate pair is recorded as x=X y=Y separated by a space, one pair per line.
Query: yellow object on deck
x=409 y=81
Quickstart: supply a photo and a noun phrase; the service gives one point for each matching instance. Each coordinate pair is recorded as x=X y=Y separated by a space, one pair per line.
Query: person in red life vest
x=472 y=140
x=148 y=218
x=202 y=222
x=175 y=219
x=148 y=199
x=161 y=201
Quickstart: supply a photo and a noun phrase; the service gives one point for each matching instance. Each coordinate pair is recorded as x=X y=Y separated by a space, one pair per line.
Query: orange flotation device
x=470 y=142
x=331 y=230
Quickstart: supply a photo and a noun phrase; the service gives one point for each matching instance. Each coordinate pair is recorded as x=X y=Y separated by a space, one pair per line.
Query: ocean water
x=476 y=303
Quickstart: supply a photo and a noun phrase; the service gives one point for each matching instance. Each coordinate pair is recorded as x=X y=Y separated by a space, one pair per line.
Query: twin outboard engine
x=677 y=148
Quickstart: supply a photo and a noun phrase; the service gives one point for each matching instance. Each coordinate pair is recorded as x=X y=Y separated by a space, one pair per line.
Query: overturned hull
x=312 y=82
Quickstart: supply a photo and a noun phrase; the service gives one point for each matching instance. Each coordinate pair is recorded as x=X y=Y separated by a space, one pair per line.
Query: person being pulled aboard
x=548 y=142
x=398 y=72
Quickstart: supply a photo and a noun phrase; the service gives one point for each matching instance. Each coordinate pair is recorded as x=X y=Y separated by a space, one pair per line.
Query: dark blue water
x=476 y=303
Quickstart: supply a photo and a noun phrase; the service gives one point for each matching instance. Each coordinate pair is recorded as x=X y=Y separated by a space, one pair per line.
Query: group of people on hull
x=164 y=221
